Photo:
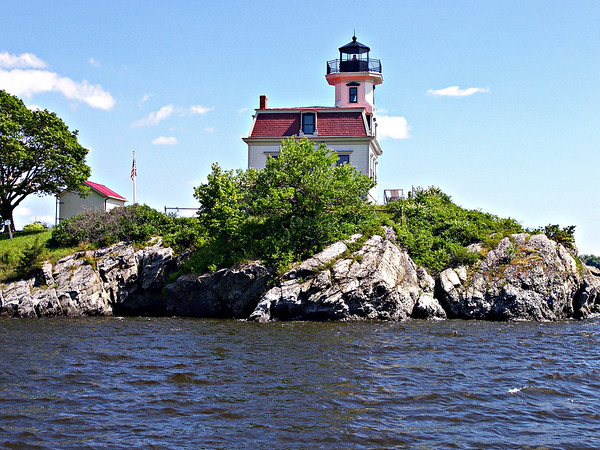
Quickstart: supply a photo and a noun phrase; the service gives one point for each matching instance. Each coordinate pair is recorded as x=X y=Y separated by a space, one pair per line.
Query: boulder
x=527 y=277
x=227 y=293
x=377 y=281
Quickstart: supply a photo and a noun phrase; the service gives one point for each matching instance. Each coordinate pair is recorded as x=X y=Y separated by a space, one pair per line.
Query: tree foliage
x=590 y=260
x=38 y=154
x=299 y=203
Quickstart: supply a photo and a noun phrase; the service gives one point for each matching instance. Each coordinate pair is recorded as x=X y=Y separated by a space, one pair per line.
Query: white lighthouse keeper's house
x=348 y=128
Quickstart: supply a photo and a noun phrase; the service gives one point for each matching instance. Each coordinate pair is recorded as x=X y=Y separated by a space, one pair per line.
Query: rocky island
x=526 y=277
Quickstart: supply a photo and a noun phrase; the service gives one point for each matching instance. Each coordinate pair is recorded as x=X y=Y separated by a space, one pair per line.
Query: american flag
x=133 y=168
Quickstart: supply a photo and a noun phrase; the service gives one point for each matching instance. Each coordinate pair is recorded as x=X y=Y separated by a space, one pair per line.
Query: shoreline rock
x=526 y=277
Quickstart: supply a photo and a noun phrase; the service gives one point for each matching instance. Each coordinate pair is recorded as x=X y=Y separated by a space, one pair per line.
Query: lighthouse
x=354 y=76
x=347 y=129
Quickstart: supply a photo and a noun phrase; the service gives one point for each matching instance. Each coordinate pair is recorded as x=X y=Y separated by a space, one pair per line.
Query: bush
x=135 y=223
x=35 y=226
x=30 y=262
x=436 y=232
x=564 y=236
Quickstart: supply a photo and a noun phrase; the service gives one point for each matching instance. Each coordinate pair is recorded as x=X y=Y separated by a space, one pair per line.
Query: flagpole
x=133 y=177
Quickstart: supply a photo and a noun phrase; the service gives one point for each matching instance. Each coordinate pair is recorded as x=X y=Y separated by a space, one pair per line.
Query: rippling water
x=177 y=383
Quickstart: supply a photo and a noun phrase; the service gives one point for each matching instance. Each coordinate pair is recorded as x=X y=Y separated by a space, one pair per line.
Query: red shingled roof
x=104 y=190
x=331 y=123
x=340 y=124
x=276 y=124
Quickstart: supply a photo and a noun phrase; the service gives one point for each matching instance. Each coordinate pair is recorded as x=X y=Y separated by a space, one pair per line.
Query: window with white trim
x=309 y=123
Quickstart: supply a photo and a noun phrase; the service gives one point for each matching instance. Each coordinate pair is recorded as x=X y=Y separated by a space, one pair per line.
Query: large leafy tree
x=307 y=200
x=38 y=155
x=299 y=203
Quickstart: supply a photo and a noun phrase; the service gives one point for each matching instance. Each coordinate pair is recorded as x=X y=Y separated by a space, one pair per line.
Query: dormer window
x=308 y=123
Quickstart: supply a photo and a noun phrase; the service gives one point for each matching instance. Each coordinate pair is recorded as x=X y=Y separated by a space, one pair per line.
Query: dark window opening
x=308 y=123
x=353 y=95
x=343 y=159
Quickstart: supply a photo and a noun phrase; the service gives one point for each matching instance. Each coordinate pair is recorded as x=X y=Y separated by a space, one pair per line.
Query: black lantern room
x=354 y=57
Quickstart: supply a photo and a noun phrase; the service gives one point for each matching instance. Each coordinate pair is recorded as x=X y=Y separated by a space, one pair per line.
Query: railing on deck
x=353 y=65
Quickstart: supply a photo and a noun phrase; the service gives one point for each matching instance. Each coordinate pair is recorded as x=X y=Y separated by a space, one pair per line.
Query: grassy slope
x=11 y=251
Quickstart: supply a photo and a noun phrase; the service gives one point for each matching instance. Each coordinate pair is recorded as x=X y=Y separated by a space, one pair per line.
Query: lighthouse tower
x=347 y=129
x=354 y=76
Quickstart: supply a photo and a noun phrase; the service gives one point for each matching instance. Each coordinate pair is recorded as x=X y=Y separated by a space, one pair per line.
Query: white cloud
x=35 y=108
x=199 y=109
x=242 y=110
x=145 y=98
x=26 y=60
x=94 y=63
x=210 y=129
x=164 y=140
x=27 y=82
x=154 y=118
x=392 y=127
x=22 y=211
x=455 y=91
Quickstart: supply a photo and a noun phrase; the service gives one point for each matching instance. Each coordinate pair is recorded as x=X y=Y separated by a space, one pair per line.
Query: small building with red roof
x=100 y=198
x=348 y=128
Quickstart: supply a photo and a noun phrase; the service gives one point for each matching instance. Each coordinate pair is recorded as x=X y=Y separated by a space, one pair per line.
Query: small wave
x=515 y=390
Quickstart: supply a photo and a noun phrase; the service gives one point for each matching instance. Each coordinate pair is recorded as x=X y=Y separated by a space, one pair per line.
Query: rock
x=227 y=293
x=115 y=279
x=378 y=281
x=587 y=298
x=525 y=278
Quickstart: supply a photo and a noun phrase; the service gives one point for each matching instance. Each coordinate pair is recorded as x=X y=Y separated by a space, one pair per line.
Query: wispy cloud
x=154 y=118
x=94 y=63
x=242 y=110
x=145 y=98
x=199 y=109
x=210 y=129
x=164 y=140
x=24 y=78
x=392 y=127
x=25 y=60
x=455 y=91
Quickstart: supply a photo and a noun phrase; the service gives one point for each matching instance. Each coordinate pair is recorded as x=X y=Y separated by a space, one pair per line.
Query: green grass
x=11 y=251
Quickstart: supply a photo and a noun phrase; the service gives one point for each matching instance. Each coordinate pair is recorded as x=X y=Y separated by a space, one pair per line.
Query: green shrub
x=436 y=232
x=35 y=226
x=135 y=223
x=29 y=263
x=564 y=236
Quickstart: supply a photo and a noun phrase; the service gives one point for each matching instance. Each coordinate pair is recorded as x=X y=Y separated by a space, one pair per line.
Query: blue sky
x=495 y=102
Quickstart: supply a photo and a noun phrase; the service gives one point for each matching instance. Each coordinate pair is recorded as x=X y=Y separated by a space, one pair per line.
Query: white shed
x=101 y=198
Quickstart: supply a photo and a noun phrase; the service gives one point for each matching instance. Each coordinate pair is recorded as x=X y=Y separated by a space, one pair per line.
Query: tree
x=38 y=155
x=299 y=203
x=307 y=200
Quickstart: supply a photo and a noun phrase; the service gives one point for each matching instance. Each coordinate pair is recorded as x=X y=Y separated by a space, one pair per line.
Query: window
x=353 y=94
x=308 y=123
x=343 y=159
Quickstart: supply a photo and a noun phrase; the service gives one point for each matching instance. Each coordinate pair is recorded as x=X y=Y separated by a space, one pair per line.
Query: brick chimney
x=263 y=102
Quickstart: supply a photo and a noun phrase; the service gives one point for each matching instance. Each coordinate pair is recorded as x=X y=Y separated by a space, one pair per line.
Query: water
x=186 y=383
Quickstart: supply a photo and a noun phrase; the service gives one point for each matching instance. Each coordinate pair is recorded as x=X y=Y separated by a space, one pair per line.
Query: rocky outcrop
x=376 y=281
x=102 y=282
x=227 y=293
x=527 y=277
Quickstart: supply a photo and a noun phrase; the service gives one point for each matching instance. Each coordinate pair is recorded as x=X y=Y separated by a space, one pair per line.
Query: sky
x=495 y=102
